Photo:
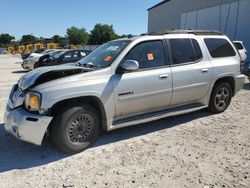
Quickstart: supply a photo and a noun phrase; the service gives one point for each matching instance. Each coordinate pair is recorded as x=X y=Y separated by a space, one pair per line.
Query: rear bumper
x=239 y=82
x=26 y=126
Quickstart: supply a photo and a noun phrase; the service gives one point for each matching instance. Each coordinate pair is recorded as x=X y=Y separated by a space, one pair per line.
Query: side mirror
x=128 y=66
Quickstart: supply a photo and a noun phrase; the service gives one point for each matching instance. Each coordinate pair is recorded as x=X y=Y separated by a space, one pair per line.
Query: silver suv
x=122 y=83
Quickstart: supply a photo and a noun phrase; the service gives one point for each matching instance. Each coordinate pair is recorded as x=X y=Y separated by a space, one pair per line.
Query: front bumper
x=26 y=66
x=239 y=82
x=26 y=126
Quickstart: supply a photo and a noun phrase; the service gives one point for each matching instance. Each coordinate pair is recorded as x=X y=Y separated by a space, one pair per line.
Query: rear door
x=191 y=69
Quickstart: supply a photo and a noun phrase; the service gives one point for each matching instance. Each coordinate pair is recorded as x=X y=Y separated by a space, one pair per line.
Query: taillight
x=241 y=66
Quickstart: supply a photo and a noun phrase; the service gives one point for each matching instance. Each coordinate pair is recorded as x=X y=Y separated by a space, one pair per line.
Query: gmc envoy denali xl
x=122 y=83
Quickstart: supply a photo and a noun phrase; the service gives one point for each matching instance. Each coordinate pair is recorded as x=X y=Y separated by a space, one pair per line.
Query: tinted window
x=75 y=54
x=238 y=46
x=219 y=48
x=148 y=54
x=197 y=50
x=182 y=51
x=68 y=55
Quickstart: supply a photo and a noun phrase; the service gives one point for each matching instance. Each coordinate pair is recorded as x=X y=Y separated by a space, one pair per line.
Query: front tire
x=75 y=128
x=221 y=98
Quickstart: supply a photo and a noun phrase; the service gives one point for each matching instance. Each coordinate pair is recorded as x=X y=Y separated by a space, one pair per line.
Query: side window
x=68 y=55
x=183 y=51
x=219 y=47
x=148 y=54
x=197 y=50
x=75 y=54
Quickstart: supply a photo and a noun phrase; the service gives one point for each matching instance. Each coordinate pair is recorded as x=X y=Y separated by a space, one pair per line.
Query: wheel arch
x=227 y=79
x=90 y=100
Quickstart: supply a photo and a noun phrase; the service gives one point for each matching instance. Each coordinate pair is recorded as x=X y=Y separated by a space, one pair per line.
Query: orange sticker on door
x=108 y=58
x=150 y=56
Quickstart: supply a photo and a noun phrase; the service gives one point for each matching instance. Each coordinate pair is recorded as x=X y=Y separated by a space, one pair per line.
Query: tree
x=27 y=39
x=102 y=33
x=5 y=39
x=56 y=38
x=77 y=36
x=126 y=36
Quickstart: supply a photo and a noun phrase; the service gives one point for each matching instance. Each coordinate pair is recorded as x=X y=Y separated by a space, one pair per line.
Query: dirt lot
x=193 y=150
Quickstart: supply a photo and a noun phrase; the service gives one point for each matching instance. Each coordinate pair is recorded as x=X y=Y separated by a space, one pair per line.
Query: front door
x=149 y=88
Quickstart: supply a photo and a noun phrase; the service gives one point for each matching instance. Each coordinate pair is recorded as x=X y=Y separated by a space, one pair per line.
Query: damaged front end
x=46 y=74
x=23 y=117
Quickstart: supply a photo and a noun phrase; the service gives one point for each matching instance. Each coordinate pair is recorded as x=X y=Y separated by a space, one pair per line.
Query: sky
x=46 y=18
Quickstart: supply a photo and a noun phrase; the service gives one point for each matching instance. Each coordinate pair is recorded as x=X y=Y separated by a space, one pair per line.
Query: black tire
x=75 y=128
x=220 y=98
x=36 y=65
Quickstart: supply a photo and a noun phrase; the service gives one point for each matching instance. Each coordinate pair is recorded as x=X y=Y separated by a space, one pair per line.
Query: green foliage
x=102 y=33
x=5 y=39
x=126 y=36
x=77 y=36
x=28 y=39
x=56 y=38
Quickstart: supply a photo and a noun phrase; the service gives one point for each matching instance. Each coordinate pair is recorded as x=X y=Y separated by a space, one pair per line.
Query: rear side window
x=219 y=48
x=185 y=50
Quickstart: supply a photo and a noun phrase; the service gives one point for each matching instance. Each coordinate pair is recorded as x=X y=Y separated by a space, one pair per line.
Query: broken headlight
x=32 y=101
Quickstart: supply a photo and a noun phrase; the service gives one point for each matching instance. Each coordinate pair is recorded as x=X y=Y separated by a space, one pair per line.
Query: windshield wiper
x=89 y=65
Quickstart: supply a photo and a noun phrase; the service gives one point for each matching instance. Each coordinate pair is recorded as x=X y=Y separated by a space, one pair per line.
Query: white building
x=231 y=17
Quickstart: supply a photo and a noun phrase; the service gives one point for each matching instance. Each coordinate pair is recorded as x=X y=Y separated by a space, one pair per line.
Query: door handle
x=164 y=76
x=204 y=70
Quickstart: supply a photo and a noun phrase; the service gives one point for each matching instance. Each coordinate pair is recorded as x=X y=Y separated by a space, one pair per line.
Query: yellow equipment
x=75 y=46
x=20 y=49
x=29 y=48
x=52 y=45
x=11 y=49
x=38 y=45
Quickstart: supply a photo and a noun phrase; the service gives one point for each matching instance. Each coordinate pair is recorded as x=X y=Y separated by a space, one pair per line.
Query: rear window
x=238 y=45
x=219 y=48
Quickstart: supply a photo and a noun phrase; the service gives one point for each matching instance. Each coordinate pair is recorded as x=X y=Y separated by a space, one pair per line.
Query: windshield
x=104 y=55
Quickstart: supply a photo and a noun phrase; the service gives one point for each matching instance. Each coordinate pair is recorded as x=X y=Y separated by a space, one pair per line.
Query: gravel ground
x=193 y=150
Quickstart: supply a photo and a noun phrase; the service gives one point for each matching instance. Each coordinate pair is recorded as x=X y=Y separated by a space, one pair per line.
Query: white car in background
x=34 y=57
x=242 y=50
x=3 y=52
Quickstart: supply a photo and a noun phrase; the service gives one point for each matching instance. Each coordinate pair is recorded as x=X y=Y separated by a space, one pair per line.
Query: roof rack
x=188 y=31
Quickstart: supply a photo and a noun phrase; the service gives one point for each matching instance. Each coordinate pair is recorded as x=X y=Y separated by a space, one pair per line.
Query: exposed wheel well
x=229 y=80
x=90 y=100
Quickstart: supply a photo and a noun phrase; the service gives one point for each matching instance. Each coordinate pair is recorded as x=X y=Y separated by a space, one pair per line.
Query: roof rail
x=188 y=31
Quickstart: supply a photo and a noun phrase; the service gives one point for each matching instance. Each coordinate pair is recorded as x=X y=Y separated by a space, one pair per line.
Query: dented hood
x=45 y=74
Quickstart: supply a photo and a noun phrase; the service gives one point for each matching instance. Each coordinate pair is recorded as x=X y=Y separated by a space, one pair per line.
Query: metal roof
x=165 y=1
x=188 y=31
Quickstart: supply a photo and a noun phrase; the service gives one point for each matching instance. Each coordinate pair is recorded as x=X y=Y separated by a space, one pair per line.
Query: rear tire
x=75 y=128
x=220 y=98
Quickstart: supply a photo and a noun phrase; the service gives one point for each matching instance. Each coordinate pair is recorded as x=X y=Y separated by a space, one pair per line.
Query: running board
x=156 y=116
